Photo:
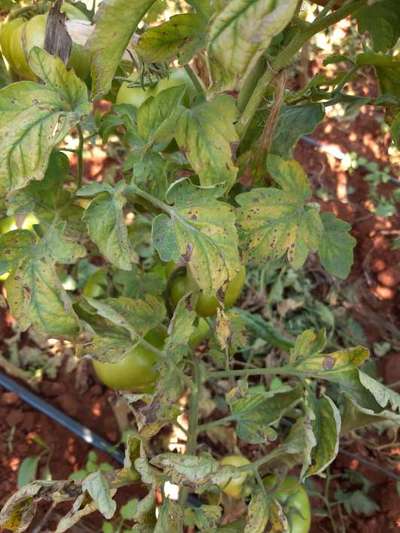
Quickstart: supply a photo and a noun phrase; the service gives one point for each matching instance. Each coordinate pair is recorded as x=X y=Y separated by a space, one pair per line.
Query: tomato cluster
x=18 y=36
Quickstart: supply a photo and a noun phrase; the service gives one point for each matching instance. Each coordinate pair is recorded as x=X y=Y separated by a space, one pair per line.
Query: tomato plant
x=206 y=191
x=295 y=502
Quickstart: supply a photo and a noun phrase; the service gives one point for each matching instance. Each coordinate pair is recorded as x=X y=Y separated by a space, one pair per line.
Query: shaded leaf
x=98 y=488
x=170 y=518
x=180 y=36
x=293 y=123
x=382 y=21
x=336 y=246
x=27 y=470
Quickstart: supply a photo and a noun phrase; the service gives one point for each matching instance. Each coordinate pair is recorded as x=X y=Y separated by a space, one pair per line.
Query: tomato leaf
x=207 y=135
x=135 y=316
x=180 y=329
x=105 y=222
x=335 y=362
x=115 y=23
x=99 y=490
x=277 y=222
x=14 y=246
x=36 y=297
x=382 y=21
x=201 y=229
x=258 y=513
x=326 y=425
x=170 y=517
x=241 y=33
x=293 y=123
x=157 y=117
x=205 y=517
x=181 y=36
x=336 y=246
x=27 y=470
x=35 y=117
x=257 y=411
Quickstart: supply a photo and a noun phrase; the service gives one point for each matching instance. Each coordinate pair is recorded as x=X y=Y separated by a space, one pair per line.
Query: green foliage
x=206 y=185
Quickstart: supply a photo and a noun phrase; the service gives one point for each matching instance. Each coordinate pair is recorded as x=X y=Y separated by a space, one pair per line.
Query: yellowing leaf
x=241 y=33
x=35 y=117
x=202 y=229
x=207 y=135
x=277 y=222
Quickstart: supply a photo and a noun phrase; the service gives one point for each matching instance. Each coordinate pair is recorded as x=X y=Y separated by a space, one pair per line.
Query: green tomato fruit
x=207 y=305
x=32 y=33
x=234 y=488
x=135 y=96
x=295 y=502
x=7 y=30
x=137 y=371
x=200 y=333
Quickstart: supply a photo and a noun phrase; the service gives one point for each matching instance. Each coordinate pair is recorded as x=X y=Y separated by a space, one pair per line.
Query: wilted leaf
x=202 y=229
x=207 y=135
x=115 y=23
x=35 y=117
x=276 y=222
x=258 y=513
x=170 y=518
x=326 y=423
x=188 y=469
x=180 y=330
x=255 y=412
x=98 y=488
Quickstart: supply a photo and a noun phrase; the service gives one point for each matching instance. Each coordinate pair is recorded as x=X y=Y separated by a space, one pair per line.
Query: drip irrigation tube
x=61 y=418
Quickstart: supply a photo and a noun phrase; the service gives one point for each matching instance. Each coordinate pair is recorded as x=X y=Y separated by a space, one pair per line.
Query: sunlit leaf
x=241 y=33
x=35 y=117
x=278 y=222
x=207 y=135
x=202 y=229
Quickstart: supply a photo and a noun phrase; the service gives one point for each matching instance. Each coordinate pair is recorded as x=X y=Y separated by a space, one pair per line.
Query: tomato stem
x=197 y=82
x=79 y=154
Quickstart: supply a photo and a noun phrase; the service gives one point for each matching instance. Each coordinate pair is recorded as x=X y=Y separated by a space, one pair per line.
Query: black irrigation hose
x=61 y=418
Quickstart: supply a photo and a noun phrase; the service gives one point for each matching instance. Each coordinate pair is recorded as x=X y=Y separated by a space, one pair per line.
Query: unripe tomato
x=137 y=371
x=32 y=33
x=207 y=304
x=295 y=503
x=7 y=30
x=234 y=487
x=134 y=95
x=200 y=333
